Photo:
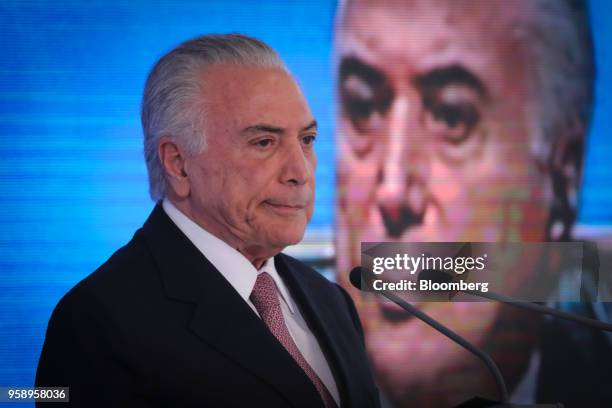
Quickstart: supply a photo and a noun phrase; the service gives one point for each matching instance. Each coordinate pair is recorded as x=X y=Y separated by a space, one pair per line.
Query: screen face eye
x=365 y=97
x=452 y=99
x=451 y=114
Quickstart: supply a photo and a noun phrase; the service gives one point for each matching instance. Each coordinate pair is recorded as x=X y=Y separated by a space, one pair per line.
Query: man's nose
x=297 y=169
x=401 y=195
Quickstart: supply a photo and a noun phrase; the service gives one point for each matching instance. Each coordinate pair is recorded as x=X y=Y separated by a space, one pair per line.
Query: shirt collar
x=234 y=267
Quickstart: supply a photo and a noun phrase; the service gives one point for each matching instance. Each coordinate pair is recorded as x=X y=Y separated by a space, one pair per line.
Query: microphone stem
x=541 y=309
x=499 y=379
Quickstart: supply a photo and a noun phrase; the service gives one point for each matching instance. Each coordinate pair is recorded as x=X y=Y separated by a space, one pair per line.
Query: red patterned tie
x=265 y=300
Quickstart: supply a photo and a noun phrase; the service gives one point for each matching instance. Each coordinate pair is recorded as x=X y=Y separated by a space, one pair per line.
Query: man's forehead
x=245 y=96
x=484 y=10
x=424 y=35
x=388 y=21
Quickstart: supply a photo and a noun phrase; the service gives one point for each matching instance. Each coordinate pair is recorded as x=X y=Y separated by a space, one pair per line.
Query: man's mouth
x=284 y=208
x=397 y=222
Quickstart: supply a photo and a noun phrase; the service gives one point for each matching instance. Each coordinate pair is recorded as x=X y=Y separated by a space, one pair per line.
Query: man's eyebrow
x=451 y=75
x=311 y=126
x=263 y=128
x=266 y=128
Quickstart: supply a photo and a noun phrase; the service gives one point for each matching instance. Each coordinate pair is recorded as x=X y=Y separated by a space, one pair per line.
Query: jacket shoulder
x=127 y=265
x=112 y=286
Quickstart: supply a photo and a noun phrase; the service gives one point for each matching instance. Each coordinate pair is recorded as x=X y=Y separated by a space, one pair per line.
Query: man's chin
x=283 y=236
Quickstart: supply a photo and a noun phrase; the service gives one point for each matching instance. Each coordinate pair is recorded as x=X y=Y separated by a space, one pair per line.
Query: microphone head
x=355 y=277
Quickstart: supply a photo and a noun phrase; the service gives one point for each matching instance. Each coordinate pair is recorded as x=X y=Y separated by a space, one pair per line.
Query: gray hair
x=173 y=99
x=560 y=43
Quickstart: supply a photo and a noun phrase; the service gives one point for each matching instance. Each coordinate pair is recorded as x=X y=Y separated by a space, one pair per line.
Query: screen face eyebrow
x=439 y=78
x=364 y=90
x=354 y=66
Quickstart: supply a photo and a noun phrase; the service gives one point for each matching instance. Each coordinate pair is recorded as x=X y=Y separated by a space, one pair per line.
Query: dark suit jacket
x=158 y=325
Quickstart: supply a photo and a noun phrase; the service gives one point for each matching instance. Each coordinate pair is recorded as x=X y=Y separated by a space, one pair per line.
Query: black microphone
x=355 y=278
x=439 y=276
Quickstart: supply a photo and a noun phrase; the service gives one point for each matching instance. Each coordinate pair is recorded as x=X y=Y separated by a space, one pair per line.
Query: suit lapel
x=221 y=317
x=320 y=317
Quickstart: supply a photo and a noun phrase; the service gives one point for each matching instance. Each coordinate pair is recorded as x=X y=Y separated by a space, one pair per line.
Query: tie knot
x=264 y=295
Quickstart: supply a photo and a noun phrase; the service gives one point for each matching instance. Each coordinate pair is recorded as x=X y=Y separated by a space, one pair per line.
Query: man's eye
x=454 y=121
x=308 y=140
x=264 y=142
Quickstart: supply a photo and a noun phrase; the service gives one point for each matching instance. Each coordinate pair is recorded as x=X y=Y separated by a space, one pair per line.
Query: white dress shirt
x=241 y=274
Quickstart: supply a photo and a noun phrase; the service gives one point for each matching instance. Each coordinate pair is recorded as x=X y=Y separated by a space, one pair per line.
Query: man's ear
x=566 y=175
x=173 y=159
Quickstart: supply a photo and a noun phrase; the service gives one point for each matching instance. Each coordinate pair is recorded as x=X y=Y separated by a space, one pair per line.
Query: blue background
x=72 y=175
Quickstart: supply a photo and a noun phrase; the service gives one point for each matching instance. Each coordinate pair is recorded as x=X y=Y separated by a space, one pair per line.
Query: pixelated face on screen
x=436 y=125
x=439 y=139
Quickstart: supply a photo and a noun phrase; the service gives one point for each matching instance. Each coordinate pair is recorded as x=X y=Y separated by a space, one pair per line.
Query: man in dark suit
x=200 y=308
